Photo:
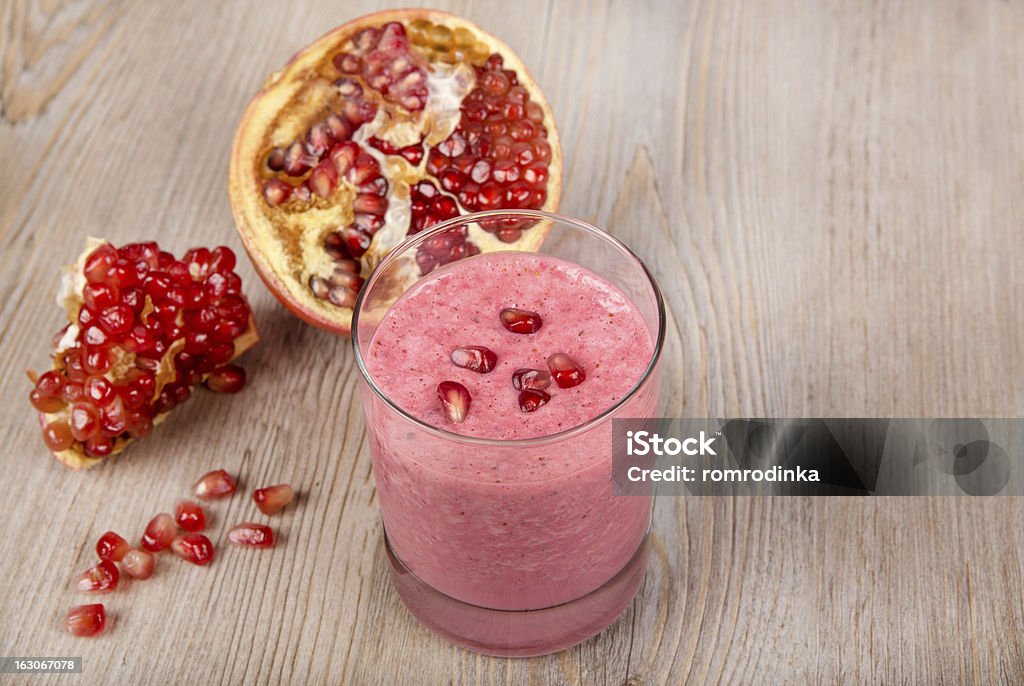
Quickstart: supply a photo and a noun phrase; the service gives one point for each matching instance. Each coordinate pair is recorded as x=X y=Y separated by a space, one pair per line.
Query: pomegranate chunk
x=189 y=516
x=111 y=547
x=214 y=484
x=533 y=379
x=520 y=321
x=159 y=533
x=85 y=620
x=566 y=371
x=455 y=401
x=272 y=499
x=252 y=535
x=530 y=399
x=138 y=306
x=138 y=563
x=102 y=578
x=476 y=358
x=194 y=548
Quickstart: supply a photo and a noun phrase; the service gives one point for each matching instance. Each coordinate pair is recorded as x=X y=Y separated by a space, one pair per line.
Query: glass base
x=526 y=633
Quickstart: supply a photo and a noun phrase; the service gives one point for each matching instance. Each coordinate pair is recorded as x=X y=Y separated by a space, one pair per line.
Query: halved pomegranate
x=387 y=125
x=144 y=329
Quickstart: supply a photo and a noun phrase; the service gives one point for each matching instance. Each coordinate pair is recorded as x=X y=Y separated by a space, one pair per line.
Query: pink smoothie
x=508 y=526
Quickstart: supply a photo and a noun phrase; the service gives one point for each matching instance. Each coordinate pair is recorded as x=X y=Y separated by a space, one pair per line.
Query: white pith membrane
x=69 y=298
x=287 y=241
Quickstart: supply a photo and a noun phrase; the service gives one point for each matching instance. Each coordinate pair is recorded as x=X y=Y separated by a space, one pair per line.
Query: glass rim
x=475 y=217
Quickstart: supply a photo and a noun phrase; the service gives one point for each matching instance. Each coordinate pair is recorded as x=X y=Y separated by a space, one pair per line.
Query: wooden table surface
x=830 y=195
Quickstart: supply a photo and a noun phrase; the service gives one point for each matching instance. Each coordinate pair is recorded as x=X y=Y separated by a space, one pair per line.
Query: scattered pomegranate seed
x=227 y=379
x=189 y=516
x=530 y=399
x=520 y=321
x=85 y=620
x=252 y=535
x=138 y=563
x=214 y=485
x=194 y=548
x=476 y=358
x=455 y=400
x=111 y=547
x=271 y=499
x=533 y=379
x=99 y=579
x=566 y=371
x=159 y=533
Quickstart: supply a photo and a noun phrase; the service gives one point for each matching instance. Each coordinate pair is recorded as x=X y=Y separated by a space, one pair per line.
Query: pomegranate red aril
x=531 y=379
x=112 y=419
x=98 y=263
x=96 y=361
x=84 y=421
x=375 y=186
x=363 y=169
x=476 y=358
x=44 y=404
x=565 y=371
x=276 y=192
x=99 y=446
x=275 y=160
x=319 y=139
x=194 y=548
x=370 y=204
x=102 y=578
x=324 y=179
x=536 y=175
x=111 y=546
x=520 y=321
x=455 y=401
x=99 y=391
x=296 y=160
x=343 y=156
x=189 y=516
x=138 y=563
x=214 y=484
x=49 y=384
x=530 y=399
x=159 y=533
x=413 y=154
x=72 y=390
x=357 y=240
x=85 y=620
x=99 y=296
x=227 y=379
x=116 y=320
x=57 y=436
x=252 y=535
x=272 y=499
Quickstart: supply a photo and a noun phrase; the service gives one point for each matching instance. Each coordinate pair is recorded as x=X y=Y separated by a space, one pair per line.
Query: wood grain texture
x=830 y=195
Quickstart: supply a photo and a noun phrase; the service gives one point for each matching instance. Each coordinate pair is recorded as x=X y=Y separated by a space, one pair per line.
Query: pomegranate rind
x=265 y=113
x=69 y=298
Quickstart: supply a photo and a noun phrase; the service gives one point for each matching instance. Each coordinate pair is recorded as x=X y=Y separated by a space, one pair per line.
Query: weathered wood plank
x=829 y=195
